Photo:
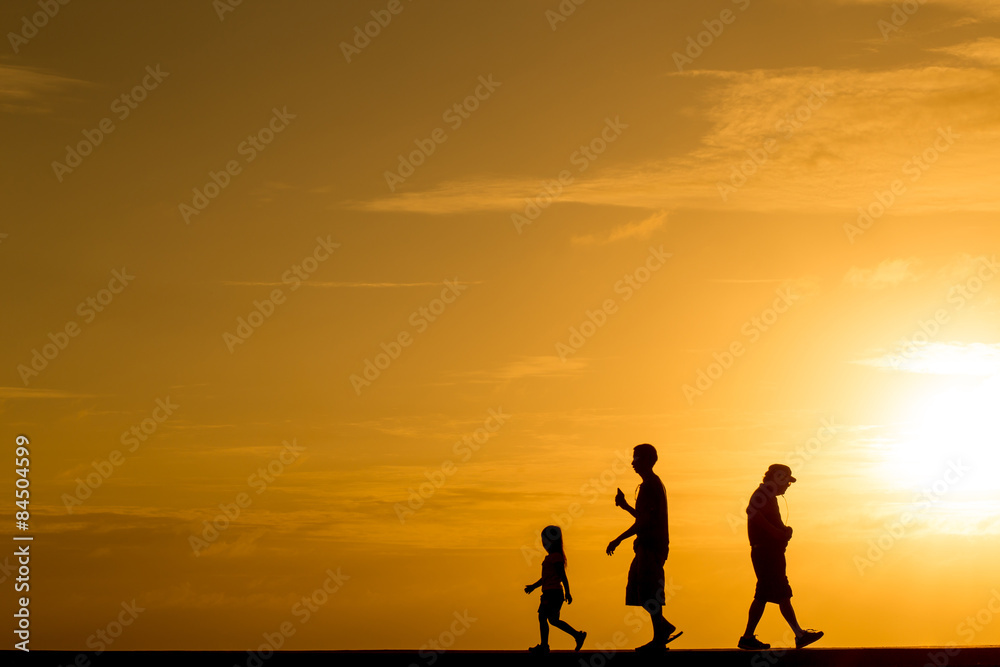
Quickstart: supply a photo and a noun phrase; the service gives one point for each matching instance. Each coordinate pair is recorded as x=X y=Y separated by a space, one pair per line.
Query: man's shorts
x=645 y=581
x=772 y=582
x=552 y=601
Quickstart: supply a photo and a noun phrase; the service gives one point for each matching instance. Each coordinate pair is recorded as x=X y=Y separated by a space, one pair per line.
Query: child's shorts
x=552 y=601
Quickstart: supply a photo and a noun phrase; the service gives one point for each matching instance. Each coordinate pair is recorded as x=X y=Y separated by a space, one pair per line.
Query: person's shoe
x=580 y=637
x=539 y=648
x=673 y=636
x=654 y=647
x=807 y=638
x=751 y=643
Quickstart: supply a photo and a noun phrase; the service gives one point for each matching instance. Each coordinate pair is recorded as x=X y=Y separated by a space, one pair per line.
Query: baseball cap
x=780 y=469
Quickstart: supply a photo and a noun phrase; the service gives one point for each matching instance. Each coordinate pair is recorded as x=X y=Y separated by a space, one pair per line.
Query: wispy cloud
x=25 y=392
x=889 y=273
x=29 y=90
x=965 y=266
x=828 y=161
x=632 y=230
x=544 y=366
x=939 y=358
x=985 y=51
x=974 y=9
x=317 y=283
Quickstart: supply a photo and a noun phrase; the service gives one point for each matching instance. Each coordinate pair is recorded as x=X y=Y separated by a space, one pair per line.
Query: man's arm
x=618 y=540
x=779 y=533
x=621 y=502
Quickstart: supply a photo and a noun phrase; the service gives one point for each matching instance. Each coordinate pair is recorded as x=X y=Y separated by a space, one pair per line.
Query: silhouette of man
x=769 y=537
x=651 y=545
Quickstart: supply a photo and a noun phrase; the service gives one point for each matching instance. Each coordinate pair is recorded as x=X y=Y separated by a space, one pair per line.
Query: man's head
x=779 y=476
x=643 y=458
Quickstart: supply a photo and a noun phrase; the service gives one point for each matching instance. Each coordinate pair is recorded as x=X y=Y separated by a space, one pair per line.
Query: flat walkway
x=812 y=656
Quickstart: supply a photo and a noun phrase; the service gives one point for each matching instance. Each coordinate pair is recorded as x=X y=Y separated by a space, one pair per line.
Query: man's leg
x=756 y=612
x=786 y=610
x=662 y=628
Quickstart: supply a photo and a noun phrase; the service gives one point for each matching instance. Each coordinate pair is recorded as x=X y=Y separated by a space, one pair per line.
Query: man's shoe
x=580 y=637
x=751 y=643
x=539 y=649
x=652 y=648
x=807 y=638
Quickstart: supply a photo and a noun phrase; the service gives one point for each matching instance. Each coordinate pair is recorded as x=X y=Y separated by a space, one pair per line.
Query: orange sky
x=397 y=302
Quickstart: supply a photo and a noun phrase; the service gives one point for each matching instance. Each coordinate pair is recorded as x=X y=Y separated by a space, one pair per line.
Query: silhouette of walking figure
x=552 y=582
x=651 y=546
x=769 y=537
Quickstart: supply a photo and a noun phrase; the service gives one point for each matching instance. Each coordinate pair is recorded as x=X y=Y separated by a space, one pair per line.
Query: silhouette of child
x=552 y=582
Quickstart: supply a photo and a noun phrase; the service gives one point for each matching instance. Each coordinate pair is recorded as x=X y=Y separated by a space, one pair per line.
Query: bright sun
x=950 y=438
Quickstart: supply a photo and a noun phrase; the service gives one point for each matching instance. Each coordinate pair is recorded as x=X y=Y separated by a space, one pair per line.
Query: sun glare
x=948 y=441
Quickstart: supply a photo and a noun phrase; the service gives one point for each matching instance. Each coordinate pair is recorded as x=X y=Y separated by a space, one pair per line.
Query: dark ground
x=814 y=657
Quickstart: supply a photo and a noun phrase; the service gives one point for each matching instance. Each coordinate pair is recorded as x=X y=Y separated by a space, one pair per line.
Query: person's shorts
x=551 y=603
x=645 y=581
x=772 y=582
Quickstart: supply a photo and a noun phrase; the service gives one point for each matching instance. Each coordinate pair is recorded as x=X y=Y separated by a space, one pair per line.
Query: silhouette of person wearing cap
x=651 y=545
x=769 y=537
